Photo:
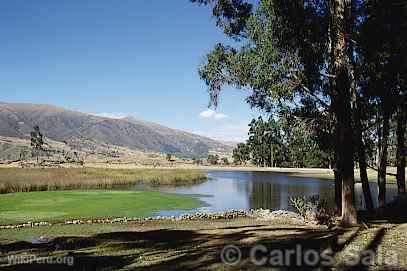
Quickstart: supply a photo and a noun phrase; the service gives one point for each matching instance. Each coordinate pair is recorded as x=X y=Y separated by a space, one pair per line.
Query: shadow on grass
x=372 y=245
x=169 y=249
x=388 y=215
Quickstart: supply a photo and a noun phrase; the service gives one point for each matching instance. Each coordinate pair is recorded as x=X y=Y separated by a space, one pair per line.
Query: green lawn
x=64 y=205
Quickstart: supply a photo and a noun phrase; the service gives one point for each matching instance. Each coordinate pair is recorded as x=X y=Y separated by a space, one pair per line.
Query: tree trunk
x=362 y=162
x=379 y=139
x=332 y=86
x=382 y=167
x=367 y=195
x=338 y=175
x=271 y=155
x=338 y=191
x=401 y=149
x=341 y=101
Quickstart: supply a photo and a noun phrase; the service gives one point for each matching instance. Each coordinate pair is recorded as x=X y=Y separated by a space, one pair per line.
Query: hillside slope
x=18 y=119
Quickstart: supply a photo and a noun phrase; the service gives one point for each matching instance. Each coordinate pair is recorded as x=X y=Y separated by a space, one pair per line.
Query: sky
x=117 y=58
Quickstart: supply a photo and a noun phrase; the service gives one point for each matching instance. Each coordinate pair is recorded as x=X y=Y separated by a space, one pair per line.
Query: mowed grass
x=64 y=205
x=50 y=179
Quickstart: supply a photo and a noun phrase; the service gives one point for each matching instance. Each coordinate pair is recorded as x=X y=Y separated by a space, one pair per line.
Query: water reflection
x=227 y=190
x=273 y=191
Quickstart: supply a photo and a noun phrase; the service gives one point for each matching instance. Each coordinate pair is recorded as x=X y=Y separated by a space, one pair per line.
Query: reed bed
x=29 y=179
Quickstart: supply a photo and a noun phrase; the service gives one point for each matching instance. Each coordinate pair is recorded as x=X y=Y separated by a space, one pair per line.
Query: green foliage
x=213 y=159
x=281 y=49
x=241 y=154
x=282 y=142
x=37 y=142
x=232 y=15
x=225 y=161
x=335 y=68
x=281 y=53
x=197 y=161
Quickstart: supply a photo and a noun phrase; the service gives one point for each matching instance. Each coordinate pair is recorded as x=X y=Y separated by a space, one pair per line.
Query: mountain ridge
x=64 y=125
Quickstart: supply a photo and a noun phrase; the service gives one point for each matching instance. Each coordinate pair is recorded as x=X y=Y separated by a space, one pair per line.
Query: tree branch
x=304 y=87
x=313 y=95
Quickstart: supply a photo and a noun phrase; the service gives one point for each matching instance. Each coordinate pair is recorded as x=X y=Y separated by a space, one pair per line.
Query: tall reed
x=26 y=180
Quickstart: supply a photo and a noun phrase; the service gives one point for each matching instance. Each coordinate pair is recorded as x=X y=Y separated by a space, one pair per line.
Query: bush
x=314 y=209
x=213 y=159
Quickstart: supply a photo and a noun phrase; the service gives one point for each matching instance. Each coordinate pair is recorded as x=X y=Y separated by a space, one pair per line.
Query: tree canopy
x=336 y=69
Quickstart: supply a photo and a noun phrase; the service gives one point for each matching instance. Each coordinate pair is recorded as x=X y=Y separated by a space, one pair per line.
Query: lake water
x=226 y=190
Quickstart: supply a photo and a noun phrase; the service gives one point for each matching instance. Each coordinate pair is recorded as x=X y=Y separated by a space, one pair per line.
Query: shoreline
x=39 y=230
x=266 y=169
x=197 y=216
x=317 y=173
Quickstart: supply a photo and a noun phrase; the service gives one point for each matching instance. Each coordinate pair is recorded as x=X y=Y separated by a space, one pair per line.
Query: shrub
x=314 y=209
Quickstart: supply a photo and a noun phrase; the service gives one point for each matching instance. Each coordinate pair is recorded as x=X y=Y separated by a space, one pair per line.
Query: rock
x=280 y=216
x=44 y=239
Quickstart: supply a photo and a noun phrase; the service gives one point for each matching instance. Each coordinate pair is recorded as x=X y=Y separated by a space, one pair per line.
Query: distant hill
x=18 y=119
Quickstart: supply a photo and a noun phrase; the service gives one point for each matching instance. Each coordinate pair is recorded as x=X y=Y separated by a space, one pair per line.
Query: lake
x=226 y=190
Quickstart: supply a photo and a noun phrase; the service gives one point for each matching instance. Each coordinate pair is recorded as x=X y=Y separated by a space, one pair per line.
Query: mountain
x=18 y=119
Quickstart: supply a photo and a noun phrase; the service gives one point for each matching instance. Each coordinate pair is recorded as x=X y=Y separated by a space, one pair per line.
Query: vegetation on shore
x=35 y=179
x=64 y=205
x=283 y=142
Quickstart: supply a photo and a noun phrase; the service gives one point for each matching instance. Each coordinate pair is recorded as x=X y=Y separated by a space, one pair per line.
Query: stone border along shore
x=260 y=214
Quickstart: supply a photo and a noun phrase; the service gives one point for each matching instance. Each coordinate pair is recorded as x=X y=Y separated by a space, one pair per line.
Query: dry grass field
x=48 y=179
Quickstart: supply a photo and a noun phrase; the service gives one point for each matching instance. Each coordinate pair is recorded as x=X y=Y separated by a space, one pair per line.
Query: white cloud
x=212 y=114
x=220 y=116
x=207 y=114
x=113 y=115
x=226 y=132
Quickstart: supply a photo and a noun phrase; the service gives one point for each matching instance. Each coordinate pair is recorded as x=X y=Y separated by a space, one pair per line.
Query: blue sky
x=127 y=57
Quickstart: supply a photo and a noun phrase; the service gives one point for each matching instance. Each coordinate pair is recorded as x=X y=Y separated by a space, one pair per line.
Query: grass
x=50 y=179
x=386 y=239
x=197 y=245
x=63 y=205
x=82 y=230
x=193 y=245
